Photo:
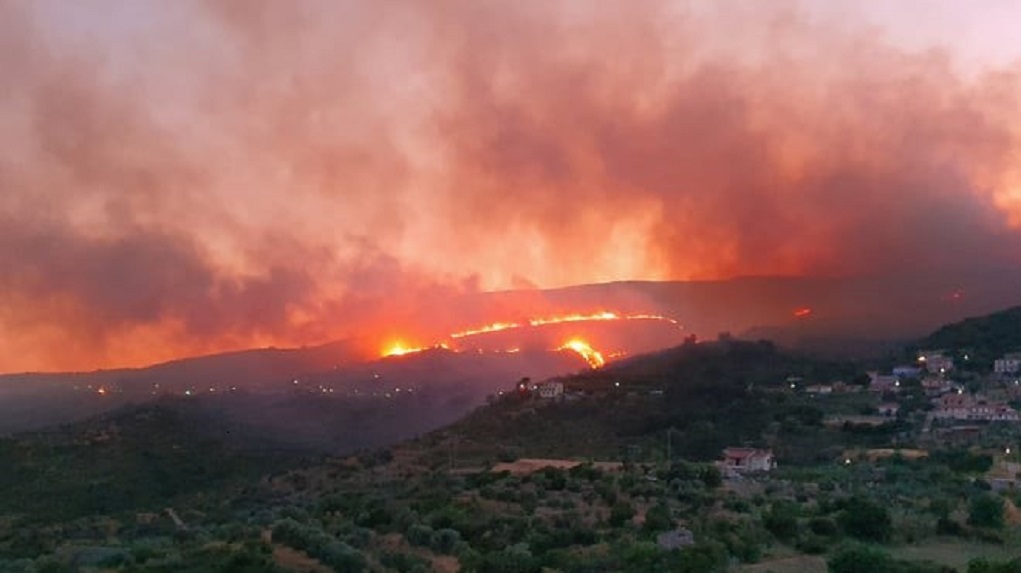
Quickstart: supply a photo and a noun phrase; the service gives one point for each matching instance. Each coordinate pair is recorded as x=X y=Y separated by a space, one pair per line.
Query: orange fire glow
x=591 y=355
x=803 y=312
x=563 y=319
x=399 y=348
x=495 y=327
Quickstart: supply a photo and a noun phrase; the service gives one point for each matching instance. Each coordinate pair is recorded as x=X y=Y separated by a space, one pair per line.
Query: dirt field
x=955 y=553
x=529 y=465
x=799 y=564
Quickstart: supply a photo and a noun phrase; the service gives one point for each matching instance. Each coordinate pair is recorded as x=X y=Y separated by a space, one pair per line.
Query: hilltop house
x=550 y=390
x=740 y=460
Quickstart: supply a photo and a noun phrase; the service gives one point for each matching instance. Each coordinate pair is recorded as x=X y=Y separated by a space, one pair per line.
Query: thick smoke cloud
x=195 y=176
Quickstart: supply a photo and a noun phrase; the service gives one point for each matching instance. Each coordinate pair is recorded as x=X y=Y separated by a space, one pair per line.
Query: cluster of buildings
x=961 y=406
x=950 y=401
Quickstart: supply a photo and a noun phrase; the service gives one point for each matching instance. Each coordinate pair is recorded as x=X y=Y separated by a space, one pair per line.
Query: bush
x=986 y=510
x=658 y=518
x=404 y=562
x=866 y=520
x=986 y=566
x=622 y=512
x=860 y=560
x=947 y=526
x=444 y=541
x=419 y=535
x=823 y=526
x=781 y=520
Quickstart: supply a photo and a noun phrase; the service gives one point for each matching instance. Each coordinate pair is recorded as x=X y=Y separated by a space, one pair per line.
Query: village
x=937 y=402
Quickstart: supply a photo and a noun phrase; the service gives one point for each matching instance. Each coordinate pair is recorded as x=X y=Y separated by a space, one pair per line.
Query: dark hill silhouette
x=983 y=338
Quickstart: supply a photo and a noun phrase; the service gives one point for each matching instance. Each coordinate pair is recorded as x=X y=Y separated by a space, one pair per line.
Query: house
x=889 y=409
x=935 y=362
x=1009 y=364
x=935 y=386
x=883 y=383
x=739 y=460
x=550 y=390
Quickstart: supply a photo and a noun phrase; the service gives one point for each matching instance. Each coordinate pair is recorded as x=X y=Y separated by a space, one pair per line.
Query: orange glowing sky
x=193 y=176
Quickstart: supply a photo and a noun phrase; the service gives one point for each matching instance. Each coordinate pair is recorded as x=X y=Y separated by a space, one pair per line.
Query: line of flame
x=599 y=316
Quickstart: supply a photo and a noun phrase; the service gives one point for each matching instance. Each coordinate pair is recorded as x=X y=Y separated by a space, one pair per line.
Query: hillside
x=512 y=486
x=137 y=459
x=461 y=381
x=707 y=396
x=985 y=338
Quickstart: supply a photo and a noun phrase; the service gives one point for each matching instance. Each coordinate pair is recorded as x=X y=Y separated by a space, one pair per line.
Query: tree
x=986 y=566
x=866 y=520
x=986 y=510
x=621 y=513
x=781 y=520
x=860 y=560
x=658 y=518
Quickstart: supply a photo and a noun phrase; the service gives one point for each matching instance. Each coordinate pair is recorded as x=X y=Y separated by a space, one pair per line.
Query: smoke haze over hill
x=181 y=178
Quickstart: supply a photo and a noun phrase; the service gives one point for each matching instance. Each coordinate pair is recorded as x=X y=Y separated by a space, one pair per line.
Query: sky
x=183 y=177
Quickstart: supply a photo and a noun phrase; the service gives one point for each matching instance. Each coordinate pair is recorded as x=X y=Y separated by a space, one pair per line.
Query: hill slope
x=985 y=338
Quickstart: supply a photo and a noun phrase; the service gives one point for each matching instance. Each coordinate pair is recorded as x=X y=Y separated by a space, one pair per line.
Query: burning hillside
x=595 y=336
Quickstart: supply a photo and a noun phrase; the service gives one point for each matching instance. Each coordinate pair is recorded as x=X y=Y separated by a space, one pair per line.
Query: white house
x=748 y=460
x=550 y=389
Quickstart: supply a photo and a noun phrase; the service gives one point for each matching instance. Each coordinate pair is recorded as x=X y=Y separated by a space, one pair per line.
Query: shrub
x=986 y=566
x=823 y=526
x=658 y=518
x=866 y=520
x=986 y=510
x=781 y=520
x=621 y=513
x=419 y=535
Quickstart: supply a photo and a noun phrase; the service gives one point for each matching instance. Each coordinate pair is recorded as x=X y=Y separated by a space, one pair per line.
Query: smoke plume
x=194 y=176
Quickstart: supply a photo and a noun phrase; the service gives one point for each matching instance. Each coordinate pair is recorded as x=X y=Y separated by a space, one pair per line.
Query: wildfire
x=803 y=313
x=495 y=327
x=568 y=318
x=400 y=349
x=591 y=355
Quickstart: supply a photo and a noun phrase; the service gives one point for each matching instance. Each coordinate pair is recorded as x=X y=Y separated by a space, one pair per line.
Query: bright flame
x=495 y=327
x=400 y=349
x=594 y=358
x=802 y=312
x=591 y=355
x=569 y=318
